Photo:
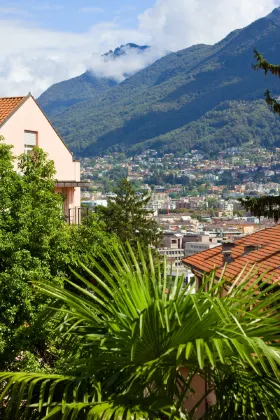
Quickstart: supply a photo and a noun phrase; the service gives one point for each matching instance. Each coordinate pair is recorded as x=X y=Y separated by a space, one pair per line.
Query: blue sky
x=47 y=41
x=75 y=15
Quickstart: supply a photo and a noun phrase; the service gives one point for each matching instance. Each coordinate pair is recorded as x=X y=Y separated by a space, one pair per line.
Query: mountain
x=161 y=104
x=61 y=96
x=230 y=124
x=123 y=49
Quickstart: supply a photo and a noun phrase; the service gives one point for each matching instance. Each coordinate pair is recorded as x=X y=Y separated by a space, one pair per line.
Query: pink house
x=24 y=125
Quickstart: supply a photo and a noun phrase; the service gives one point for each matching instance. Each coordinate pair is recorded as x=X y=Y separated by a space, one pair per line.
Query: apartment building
x=201 y=243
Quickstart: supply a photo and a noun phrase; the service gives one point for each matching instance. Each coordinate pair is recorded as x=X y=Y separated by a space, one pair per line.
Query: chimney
x=250 y=247
x=227 y=257
x=227 y=246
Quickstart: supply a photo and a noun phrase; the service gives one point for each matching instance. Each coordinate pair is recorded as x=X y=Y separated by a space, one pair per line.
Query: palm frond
x=23 y=392
x=137 y=329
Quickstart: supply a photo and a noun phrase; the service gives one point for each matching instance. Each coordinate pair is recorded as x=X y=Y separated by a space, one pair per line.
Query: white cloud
x=182 y=23
x=128 y=64
x=91 y=10
x=34 y=58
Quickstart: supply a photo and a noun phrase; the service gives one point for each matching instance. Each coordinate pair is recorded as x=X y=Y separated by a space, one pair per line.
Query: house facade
x=24 y=125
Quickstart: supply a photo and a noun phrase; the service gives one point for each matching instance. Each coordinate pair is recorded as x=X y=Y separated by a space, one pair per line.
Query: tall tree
x=267 y=206
x=139 y=344
x=127 y=217
x=35 y=243
x=32 y=244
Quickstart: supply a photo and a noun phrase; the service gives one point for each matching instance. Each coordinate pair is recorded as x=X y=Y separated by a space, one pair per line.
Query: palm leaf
x=136 y=329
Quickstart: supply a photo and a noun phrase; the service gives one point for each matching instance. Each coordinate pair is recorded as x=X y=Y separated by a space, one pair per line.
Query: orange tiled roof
x=266 y=258
x=8 y=105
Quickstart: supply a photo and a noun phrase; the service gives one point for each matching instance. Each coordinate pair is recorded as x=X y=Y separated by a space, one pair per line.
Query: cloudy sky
x=45 y=42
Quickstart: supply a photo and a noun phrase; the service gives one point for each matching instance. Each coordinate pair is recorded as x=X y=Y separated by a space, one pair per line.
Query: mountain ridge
x=122 y=50
x=173 y=92
x=62 y=95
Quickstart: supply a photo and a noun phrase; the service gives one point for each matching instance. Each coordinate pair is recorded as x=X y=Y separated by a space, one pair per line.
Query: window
x=30 y=141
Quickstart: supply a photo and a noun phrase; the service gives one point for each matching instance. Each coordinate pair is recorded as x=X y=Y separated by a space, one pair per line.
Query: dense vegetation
x=180 y=89
x=69 y=92
x=92 y=327
x=140 y=345
x=36 y=243
x=230 y=124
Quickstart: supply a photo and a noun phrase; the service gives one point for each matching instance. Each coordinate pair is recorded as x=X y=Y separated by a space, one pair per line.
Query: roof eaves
x=194 y=267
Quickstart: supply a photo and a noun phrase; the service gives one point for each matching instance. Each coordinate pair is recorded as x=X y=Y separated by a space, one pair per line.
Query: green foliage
x=107 y=182
x=130 y=337
x=230 y=124
x=32 y=233
x=266 y=206
x=86 y=240
x=167 y=105
x=213 y=203
x=35 y=243
x=126 y=217
x=70 y=92
x=263 y=64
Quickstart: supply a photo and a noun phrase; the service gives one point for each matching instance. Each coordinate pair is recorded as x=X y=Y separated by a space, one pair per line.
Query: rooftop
x=266 y=257
x=8 y=105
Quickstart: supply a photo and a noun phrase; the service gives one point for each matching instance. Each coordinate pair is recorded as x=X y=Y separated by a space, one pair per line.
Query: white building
x=203 y=243
x=173 y=256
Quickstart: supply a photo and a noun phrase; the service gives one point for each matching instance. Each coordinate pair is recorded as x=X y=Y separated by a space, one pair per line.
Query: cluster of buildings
x=191 y=182
x=184 y=235
x=226 y=248
x=201 y=229
x=196 y=200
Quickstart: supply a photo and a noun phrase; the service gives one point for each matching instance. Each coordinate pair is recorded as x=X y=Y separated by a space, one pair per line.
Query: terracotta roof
x=8 y=105
x=266 y=257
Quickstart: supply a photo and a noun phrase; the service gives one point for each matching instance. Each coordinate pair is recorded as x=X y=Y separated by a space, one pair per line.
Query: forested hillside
x=157 y=105
x=230 y=124
x=70 y=92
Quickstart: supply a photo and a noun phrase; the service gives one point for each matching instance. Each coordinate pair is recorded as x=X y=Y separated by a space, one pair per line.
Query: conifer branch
x=263 y=64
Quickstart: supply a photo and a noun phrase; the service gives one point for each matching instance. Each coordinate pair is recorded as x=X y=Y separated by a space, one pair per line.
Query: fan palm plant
x=141 y=345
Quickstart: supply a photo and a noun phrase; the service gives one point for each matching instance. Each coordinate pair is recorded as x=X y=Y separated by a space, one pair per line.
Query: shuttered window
x=30 y=140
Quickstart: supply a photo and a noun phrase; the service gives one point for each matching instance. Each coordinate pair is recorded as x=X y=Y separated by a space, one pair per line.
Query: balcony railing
x=77 y=214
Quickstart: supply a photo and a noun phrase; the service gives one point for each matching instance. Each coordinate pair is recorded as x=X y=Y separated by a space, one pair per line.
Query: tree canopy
x=126 y=216
x=35 y=243
x=32 y=245
x=138 y=343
